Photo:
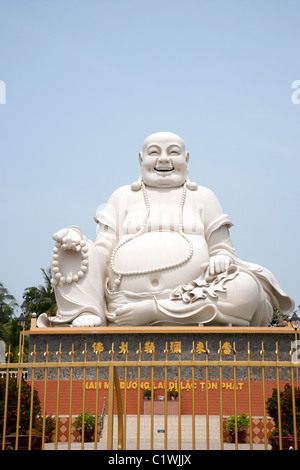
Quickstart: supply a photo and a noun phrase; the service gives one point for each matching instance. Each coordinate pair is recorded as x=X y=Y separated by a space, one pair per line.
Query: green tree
x=286 y=409
x=9 y=327
x=10 y=334
x=8 y=305
x=41 y=299
x=25 y=405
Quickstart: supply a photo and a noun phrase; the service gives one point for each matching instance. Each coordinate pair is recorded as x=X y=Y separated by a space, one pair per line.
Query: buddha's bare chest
x=159 y=253
x=164 y=217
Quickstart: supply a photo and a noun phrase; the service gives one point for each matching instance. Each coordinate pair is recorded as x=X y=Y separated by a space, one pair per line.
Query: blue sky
x=87 y=81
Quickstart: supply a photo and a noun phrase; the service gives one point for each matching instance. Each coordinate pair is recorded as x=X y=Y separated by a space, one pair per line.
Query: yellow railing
x=118 y=395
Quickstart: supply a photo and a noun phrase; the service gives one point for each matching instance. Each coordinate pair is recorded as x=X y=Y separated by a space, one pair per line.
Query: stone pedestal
x=181 y=343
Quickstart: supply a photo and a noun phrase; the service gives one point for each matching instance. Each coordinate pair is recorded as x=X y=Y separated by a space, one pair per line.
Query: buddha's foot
x=87 y=319
x=136 y=314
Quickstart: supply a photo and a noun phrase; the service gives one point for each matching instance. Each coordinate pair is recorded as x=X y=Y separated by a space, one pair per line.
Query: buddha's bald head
x=164 y=161
x=163 y=137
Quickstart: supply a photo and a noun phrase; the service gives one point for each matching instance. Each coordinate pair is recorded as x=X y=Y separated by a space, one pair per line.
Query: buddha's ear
x=136 y=186
x=187 y=157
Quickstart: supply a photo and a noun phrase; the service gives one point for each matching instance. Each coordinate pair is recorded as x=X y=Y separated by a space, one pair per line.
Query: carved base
x=152 y=342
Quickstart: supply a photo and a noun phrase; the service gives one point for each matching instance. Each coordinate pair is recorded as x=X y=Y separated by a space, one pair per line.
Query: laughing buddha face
x=164 y=161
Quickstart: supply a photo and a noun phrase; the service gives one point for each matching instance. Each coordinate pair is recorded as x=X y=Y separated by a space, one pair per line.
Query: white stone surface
x=162 y=255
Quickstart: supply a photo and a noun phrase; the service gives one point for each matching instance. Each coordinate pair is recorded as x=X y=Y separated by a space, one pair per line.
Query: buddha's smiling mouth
x=163 y=169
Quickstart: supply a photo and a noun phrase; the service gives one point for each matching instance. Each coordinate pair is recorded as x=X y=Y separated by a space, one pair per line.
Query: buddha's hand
x=219 y=264
x=70 y=238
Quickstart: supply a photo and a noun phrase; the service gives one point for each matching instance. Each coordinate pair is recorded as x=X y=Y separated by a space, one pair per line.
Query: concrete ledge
x=159 y=329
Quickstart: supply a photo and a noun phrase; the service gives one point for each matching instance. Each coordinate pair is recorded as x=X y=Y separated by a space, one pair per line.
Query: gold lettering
x=123 y=349
x=134 y=384
x=175 y=347
x=185 y=385
x=231 y=386
x=200 y=348
x=98 y=348
x=149 y=347
x=226 y=348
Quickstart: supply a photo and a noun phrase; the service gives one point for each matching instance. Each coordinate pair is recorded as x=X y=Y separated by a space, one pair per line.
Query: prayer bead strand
x=141 y=232
x=58 y=277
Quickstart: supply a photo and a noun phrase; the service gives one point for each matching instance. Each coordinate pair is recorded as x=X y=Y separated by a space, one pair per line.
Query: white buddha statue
x=162 y=255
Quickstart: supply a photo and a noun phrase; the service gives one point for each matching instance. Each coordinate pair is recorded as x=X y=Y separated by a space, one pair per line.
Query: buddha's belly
x=156 y=250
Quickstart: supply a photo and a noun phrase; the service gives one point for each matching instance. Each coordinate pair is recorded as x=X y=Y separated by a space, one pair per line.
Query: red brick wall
x=212 y=396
